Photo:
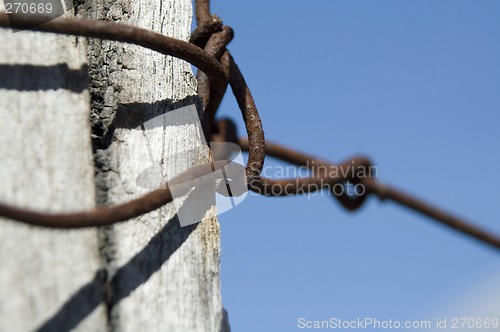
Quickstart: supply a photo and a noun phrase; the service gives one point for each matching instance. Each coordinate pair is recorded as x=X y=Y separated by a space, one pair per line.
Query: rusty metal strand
x=202 y=33
x=321 y=178
x=389 y=193
x=317 y=166
x=385 y=192
x=212 y=92
x=124 y=33
x=104 y=216
x=215 y=47
x=202 y=11
x=295 y=186
x=253 y=125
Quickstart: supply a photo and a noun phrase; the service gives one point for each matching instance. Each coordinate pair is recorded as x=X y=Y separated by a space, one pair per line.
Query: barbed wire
x=207 y=51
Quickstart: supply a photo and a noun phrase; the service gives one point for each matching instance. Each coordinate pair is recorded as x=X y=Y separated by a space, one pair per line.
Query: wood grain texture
x=49 y=279
x=162 y=277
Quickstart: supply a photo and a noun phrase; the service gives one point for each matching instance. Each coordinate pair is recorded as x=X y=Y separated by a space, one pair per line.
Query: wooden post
x=146 y=274
x=46 y=164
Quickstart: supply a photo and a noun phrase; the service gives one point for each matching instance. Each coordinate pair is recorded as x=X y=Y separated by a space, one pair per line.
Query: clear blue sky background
x=415 y=85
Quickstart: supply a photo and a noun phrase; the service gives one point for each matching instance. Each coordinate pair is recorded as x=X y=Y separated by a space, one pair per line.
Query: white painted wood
x=46 y=276
x=161 y=277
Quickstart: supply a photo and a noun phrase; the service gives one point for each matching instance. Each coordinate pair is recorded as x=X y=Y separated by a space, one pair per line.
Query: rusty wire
x=207 y=51
x=109 y=215
x=382 y=191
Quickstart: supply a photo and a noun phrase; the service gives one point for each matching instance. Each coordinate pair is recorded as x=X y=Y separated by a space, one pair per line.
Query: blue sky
x=415 y=85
